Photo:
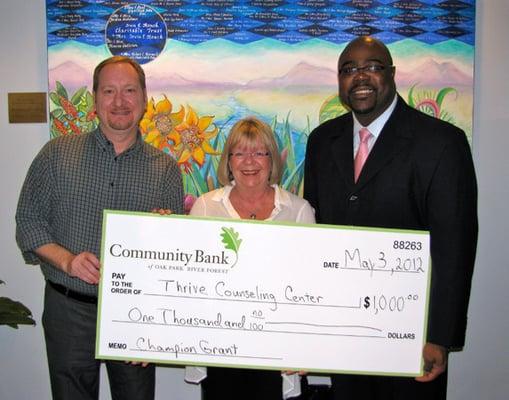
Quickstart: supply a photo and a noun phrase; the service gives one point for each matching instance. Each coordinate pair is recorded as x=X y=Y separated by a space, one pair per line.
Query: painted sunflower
x=191 y=138
x=159 y=122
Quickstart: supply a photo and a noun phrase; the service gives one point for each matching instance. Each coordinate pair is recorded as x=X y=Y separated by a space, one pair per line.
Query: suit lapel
x=342 y=150
x=393 y=138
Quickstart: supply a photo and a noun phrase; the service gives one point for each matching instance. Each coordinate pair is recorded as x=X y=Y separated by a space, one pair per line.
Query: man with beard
x=387 y=165
x=59 y=222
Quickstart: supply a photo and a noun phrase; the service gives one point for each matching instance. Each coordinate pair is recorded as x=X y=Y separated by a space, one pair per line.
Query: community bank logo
x=231 y=241
x=195 y=259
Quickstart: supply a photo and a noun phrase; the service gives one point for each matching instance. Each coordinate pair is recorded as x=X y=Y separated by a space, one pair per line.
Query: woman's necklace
x=252 y=208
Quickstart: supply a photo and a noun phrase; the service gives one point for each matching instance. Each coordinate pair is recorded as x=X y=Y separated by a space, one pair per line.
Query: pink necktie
x=362 y=153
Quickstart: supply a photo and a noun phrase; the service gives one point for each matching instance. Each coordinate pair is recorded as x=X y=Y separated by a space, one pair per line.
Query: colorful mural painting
x=211 y=62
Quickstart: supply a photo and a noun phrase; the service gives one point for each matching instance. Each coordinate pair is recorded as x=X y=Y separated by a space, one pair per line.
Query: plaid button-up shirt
x=73 y=179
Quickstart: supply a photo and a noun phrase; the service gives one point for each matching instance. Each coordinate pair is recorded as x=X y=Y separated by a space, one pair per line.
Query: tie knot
x=364 y=134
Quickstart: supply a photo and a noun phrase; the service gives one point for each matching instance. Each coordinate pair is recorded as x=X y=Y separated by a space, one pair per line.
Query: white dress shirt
x=287 y=206
x=374 y=128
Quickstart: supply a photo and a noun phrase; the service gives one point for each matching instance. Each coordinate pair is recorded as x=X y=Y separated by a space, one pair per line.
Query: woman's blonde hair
x=246 y=132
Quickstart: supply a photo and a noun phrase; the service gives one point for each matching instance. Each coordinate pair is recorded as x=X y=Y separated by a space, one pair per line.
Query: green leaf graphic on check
x=231 y=241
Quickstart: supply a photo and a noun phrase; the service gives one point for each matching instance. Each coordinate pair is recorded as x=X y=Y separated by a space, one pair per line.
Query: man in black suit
x=418 y=174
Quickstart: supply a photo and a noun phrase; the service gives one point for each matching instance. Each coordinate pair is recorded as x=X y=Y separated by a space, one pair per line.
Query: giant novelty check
x=321 y=298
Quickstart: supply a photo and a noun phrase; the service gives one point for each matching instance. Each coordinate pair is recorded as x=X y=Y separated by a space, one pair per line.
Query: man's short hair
x=119 y=60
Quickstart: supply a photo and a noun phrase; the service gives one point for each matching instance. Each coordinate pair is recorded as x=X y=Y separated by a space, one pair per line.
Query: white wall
x=479 y=372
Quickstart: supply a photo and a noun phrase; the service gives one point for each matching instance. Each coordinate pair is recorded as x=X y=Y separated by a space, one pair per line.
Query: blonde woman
x=250 y=171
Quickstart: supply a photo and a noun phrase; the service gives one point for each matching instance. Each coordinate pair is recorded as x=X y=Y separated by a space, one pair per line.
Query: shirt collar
x=377 y=125
x=105 y=144
x=281 y=197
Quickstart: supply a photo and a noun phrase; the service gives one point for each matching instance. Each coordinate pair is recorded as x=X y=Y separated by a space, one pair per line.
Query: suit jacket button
x=353 y=198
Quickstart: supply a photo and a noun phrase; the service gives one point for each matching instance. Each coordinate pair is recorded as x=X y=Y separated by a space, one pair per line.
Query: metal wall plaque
x=27 y=107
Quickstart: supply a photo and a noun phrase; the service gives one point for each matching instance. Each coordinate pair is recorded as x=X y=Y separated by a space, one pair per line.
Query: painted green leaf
x=76 y=98
x=444 y=92
x=194 y=182
x=294 y=179
x=89 y=99
x=57 y=113
x=54 y=98
x=331 y=108
x=53 y=133
x=288 y=143
x=61 y=90
x=411 y=101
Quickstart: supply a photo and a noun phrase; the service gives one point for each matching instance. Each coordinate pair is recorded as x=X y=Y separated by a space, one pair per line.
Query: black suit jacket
x=419 y=175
